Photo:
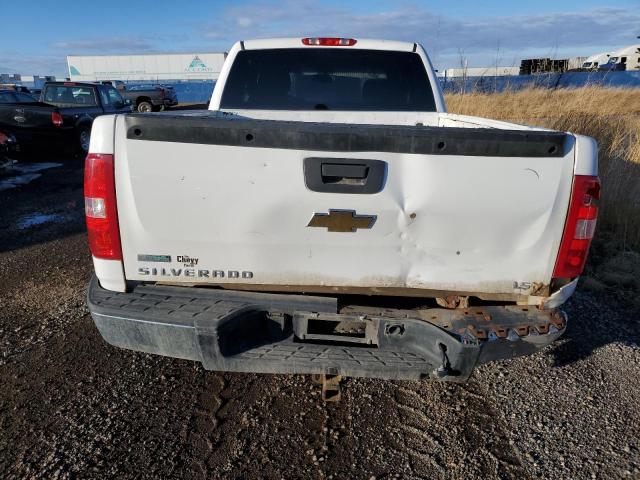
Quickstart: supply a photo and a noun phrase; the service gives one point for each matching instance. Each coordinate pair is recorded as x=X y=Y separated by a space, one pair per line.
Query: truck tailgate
x=27 y=115
x=204 y=199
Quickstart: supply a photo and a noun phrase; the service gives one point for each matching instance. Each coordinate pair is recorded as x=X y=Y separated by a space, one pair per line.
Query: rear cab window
x=7 y=97
x=70 y=96
x=24 y=98
x=110 y=96
x=328 y=79
x=114 y=97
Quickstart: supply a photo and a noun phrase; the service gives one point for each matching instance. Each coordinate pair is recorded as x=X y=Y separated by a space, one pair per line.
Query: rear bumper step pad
x=274 y=333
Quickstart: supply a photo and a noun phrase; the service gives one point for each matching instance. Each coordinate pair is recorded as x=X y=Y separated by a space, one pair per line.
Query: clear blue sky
x=484 y=32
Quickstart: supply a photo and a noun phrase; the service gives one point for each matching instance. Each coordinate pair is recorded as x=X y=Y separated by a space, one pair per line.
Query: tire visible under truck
x=238 y=331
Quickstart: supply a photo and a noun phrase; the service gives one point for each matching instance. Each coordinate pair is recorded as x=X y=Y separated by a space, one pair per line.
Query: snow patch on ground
x=34 y=219
x=13 y=182
x=13 y=175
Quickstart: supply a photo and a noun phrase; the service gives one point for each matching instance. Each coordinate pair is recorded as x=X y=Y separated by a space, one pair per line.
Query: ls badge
x=341 y=221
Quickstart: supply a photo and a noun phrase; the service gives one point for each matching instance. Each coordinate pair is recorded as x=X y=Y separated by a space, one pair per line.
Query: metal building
x=170 y=66
x=30 y=81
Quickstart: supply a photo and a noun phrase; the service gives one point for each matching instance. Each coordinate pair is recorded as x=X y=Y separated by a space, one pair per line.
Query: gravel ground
x=73 y=406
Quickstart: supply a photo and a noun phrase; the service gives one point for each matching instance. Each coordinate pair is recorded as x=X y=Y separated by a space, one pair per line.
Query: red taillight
x=3 y=138
x=579 y=227
x=330 y=41
x=100 y=207
x=56 y=118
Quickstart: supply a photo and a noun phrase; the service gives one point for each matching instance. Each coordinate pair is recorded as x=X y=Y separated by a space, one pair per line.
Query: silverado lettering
x=192 y=272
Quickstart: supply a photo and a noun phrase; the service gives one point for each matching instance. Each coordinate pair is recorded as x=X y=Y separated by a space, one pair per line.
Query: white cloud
x=509 y=38
x=244 y=22
x=105 y=45
x=33 y=64
x=53 y=59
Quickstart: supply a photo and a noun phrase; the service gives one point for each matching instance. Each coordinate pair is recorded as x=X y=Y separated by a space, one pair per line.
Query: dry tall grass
x=611 y=116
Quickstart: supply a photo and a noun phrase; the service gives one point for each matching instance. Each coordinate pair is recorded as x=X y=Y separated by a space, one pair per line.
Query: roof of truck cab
x=361 y=43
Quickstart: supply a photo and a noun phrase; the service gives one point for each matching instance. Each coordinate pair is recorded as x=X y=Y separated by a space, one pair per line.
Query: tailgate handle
x=344 y=175
x=336 y=172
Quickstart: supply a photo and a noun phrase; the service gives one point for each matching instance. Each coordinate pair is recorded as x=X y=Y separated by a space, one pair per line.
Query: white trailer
x=183 y=66
x=592 y=62
x=627 y=58
x=480 y=72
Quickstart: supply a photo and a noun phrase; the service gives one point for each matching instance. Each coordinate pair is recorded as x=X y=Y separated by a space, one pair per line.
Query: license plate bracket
x=336 y=328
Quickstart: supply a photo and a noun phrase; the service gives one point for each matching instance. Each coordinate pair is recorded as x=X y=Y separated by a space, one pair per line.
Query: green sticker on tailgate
x=154 y=258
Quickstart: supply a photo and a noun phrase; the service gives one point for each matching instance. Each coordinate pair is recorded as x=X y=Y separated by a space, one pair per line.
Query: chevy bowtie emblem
x=341 y=221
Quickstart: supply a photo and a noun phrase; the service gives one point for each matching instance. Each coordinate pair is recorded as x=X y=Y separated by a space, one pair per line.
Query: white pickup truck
x=327 y=215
